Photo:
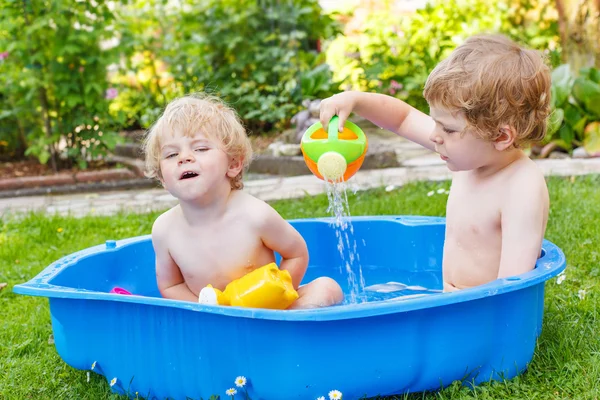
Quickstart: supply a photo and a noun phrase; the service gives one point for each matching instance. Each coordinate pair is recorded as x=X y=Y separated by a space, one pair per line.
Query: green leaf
x=572 y=114
x=579 y=126
x=566 y=134
x=562 y=144
x=562 y=81
x=44 y=156
x=591 y=73
x=7 y=113
x=93 y=86
x=555 y=121
x=594 y=75
x=587 y=93
x=591 y=138
x=69 y=49
x=73 y=100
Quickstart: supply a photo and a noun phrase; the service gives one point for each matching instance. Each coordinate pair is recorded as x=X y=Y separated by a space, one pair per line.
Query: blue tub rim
x=551 y=263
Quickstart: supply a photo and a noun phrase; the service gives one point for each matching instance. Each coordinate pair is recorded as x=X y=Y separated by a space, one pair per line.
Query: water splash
x=344 y=232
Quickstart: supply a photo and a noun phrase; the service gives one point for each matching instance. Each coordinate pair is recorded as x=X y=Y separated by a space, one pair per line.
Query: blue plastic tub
x=383 y=346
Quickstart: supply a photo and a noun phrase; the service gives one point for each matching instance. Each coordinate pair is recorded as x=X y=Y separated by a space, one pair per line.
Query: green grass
x=566 y=363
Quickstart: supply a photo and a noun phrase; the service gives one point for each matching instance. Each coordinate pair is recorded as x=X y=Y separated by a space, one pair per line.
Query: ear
x=235 y=167
x=161 y=180
x=506 y=139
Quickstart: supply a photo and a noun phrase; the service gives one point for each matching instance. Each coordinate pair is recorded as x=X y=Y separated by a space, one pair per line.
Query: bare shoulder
x=526 y=172
x=254 y=210
x=525 y=180
x=164 y=221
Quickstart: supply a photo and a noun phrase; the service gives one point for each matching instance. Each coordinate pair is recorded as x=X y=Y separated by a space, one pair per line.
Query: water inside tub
x=383 y=283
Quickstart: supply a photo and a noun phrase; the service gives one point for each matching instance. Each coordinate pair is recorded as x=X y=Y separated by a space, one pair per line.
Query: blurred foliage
x=73 y=73
x=575 y=120
x=394 y=53
x=260 y=56
x=53 y=80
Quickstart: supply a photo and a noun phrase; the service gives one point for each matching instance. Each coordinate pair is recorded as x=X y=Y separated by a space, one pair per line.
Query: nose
x=185 y=158
x=436 y=138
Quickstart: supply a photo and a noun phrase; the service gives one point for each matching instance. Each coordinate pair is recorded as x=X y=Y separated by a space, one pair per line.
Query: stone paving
x=417 y=164
x=425 y=167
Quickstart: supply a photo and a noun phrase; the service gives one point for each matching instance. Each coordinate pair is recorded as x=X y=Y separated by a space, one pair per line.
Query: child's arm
x=384 y=111
x=523 y=224
x=168 y=276
x=278 y=235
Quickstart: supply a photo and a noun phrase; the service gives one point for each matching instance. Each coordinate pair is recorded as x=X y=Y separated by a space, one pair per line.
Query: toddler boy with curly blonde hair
x=487 y=99
x=198 y=149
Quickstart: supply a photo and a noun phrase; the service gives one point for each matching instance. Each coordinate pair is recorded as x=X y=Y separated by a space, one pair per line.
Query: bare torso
x=217 y=253
x=473 y=244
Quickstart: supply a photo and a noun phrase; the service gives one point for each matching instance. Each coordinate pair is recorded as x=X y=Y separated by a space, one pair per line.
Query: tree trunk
x=579 y=26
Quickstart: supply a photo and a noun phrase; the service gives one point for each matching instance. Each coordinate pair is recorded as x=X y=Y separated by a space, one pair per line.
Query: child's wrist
x=355 y=100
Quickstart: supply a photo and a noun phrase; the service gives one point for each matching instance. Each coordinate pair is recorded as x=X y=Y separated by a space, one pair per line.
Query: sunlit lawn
x=566 y=363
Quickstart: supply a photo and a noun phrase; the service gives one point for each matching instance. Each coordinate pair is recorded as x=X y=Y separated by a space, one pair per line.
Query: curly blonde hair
x=494 y=82
x=191 y=114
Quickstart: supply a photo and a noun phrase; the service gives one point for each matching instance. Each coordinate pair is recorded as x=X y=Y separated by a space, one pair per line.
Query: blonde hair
x=193 y=113
x=494 y=82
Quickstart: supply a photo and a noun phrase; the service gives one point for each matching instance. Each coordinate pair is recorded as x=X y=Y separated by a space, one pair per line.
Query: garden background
x=78 y=77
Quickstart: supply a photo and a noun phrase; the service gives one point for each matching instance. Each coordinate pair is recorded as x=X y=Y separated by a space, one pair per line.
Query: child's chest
x=473 y=211
x=218 y=256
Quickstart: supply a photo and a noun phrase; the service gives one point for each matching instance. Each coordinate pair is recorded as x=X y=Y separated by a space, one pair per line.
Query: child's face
x=193 y=167
x=461 y=151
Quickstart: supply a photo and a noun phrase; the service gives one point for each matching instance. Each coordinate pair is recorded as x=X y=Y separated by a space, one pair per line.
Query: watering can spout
x=332 y=155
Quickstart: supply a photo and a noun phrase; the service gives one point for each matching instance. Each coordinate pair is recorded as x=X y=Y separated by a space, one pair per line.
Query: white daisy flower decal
x=240 y=381
x=231 y=392
x=113 y=382
x=93 y=365
x=321 y=398
x=335 y=395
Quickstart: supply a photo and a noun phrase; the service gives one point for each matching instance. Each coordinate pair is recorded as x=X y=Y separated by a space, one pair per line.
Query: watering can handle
x=333 y=128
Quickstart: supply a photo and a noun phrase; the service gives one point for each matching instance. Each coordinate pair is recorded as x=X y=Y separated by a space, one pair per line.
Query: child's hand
x=341 y=105
x=385 y=111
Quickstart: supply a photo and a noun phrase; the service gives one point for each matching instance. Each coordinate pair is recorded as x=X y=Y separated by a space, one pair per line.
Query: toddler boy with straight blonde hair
x=198 y=149
x=487 y=100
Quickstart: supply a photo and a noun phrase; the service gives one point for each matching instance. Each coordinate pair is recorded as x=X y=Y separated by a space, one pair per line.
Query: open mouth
x=188 y=175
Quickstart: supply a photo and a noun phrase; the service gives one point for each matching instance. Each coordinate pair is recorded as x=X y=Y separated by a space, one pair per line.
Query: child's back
x=487 y=100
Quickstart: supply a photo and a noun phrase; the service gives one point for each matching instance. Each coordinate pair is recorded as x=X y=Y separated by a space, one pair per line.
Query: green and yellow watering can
x=333 y=155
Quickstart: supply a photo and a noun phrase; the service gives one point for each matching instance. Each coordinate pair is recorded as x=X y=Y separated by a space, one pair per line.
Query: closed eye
x=448 y=130
x=201 y=149
x=171 y=155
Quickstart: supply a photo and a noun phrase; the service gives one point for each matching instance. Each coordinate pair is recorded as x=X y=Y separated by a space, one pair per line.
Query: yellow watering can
x=265 y=287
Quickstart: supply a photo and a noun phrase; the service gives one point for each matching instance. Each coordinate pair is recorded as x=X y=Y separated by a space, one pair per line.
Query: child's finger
x=343 y=115
x=325 y=116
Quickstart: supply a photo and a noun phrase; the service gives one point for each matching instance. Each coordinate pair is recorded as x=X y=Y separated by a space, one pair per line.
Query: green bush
x=53 y=80
x=394 y=54
x=575 y=120
x=260 y=56
x=263 y=57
